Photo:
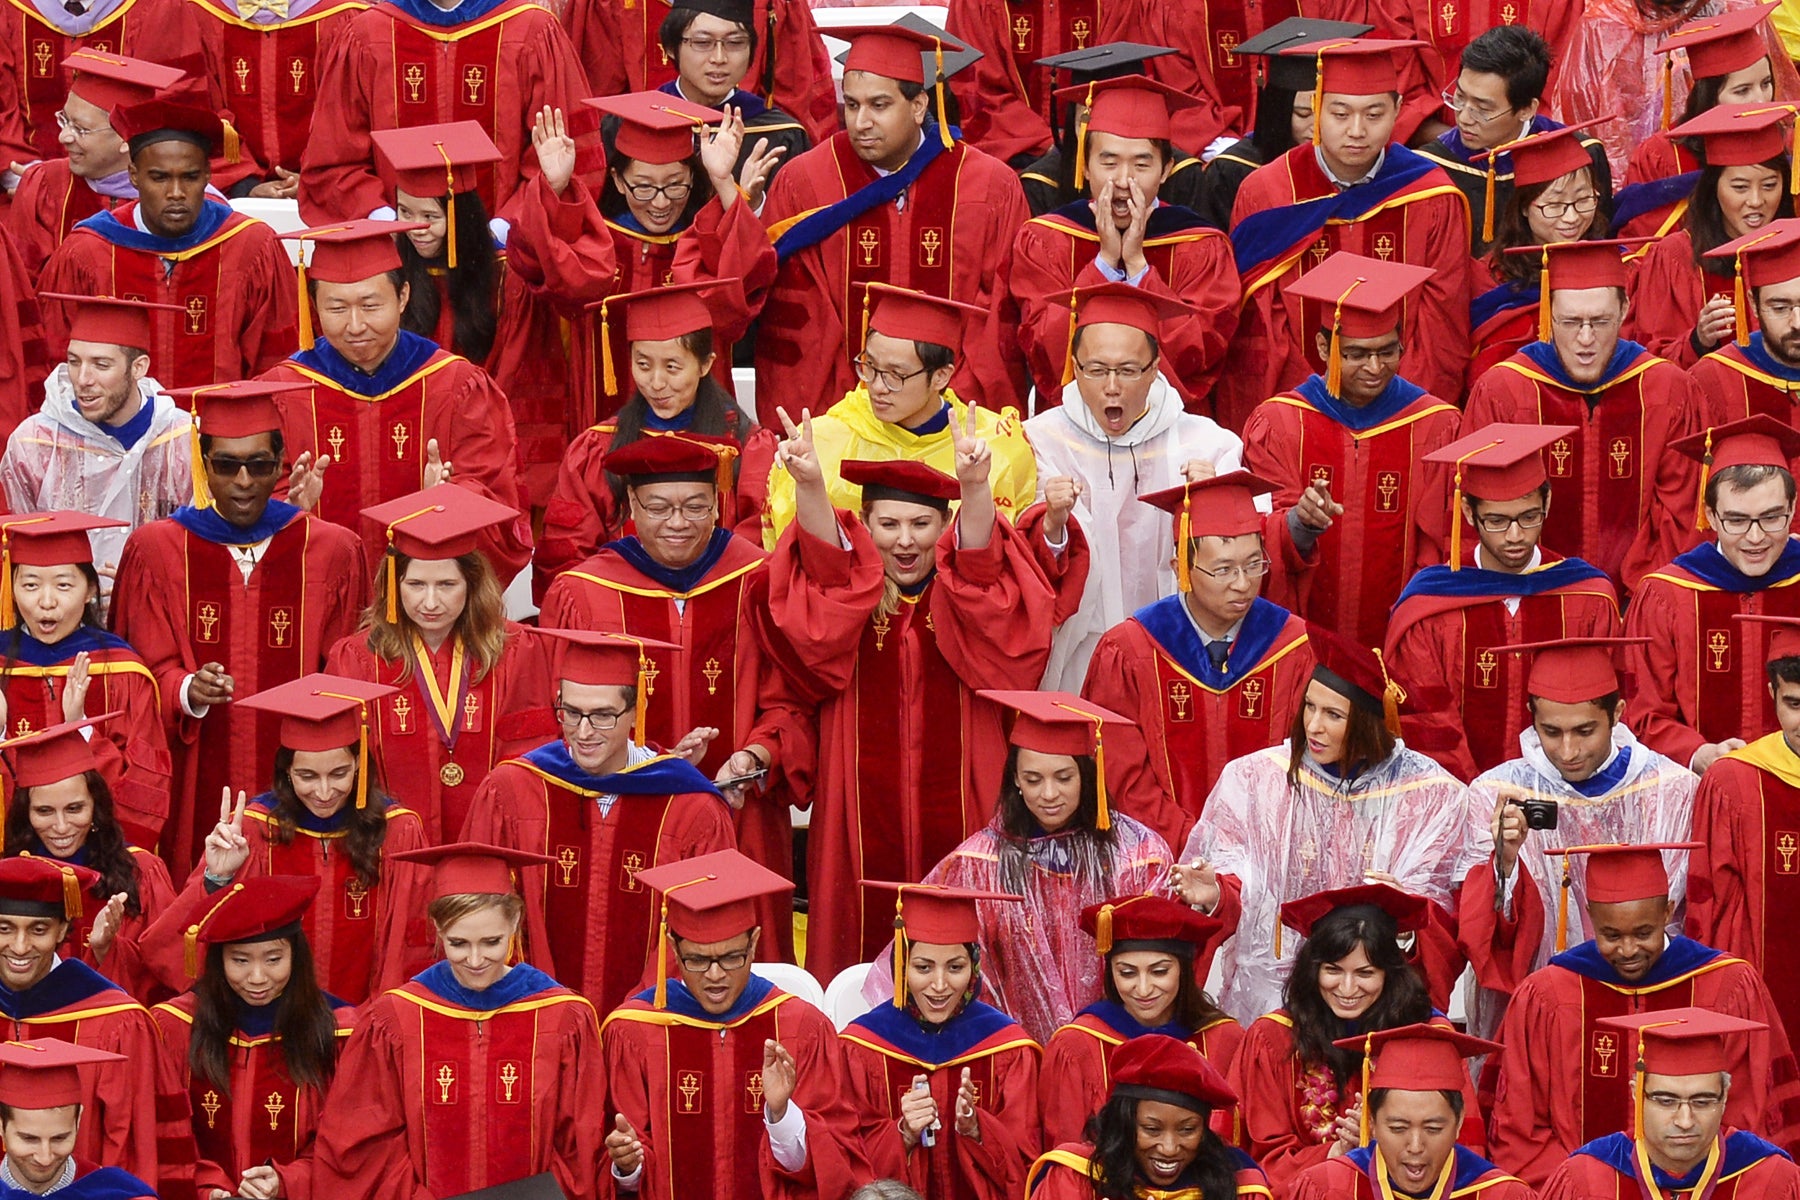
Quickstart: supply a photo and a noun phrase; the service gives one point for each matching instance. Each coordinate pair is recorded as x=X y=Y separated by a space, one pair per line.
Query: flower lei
x=1319 y=1102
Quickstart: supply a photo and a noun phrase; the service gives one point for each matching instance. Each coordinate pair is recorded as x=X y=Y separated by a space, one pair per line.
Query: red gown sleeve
x=561 y=244
x=1066 y=571
x=1531 y=1106
x=726 y=244
x=1071 y=1084
x=993 y=610
x=1654 y=714
x=1667 y=294
x=1728 y=811
x=835 y=1164
x=1501 y=948
x=1120 y=675
x=820 y=596
x=996 y=115
x=360 y=1152
x=124 y=963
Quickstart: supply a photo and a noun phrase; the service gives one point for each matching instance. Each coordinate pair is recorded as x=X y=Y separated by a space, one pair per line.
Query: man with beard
x=1758 y=373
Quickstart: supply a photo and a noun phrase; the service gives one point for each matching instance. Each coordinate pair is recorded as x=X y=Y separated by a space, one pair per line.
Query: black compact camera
x=1539 y=814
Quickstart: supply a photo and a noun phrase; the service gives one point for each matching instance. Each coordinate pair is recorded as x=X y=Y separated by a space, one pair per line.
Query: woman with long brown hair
x=470 y=687
x=256 y=1033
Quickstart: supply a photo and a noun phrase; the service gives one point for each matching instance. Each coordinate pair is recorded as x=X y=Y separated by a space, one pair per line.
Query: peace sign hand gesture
x=227 y=850
x=974 y=460
x=796 y=449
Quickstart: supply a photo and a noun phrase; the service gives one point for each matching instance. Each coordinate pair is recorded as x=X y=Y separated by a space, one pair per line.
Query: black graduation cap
x=537 y=1187
x=741 y=11
x=1296 y=73
x=954 y=60
x=1104 y=62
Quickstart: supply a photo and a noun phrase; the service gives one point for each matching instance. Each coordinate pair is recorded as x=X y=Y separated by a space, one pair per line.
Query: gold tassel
x=662 y=956
x=1392 y=695
x=306 y=325
x=1794 y=161
x=1544 y=297
x=1737 y=304
x=1362 y=1102
x=72 y=905
x=900 y=951
x=1184 y=579
x=1668 y=89
x=1456 y=519
x=362 y=758
x=868 y=294
x=1319 y=101
x=197 y=467
x=1487 y=216
x=7 y=617
x=608 y=379
x=234 y=144
x=1562 y=905
x=1102 y=812
x=943 y=112
x=1334 y=366
x=1068 y=375
x=1278 y=937
x=449 y=207
x=643 y=693
x=1103 y=930
x=393 y=584
x=1081 y=129
x=1706 y=459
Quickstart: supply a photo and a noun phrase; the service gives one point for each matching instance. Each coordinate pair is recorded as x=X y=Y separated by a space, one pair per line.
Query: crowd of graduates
x=1247 y=628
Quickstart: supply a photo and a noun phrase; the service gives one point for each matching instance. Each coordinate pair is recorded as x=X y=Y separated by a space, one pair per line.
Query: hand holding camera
x=1514 y=815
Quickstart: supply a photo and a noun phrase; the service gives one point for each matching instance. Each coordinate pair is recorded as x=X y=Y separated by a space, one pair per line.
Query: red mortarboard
x=1575 y=670
x=932 y=914
x=44 y=887
x=1127 y=922
x=1356 y=673
x=593 y=659
x=1784 y=634
x=1121 y=304
x=110 y=321
x=661 y=454
x=46 y=1072
x=155 y=121
x=1158 y=1067
x=1540 y=158
x=707 y=899
x=1129 y=106
x=1361 y=298
x=891 y=51
x=654 y=127
x=1354 y=67
x=348 y=252
x=439 y=522
x=235 y=410
x=663 y=314
x=1620 y=874
x=54 y=754
x=250 y=910
x=1219 y=506
x=1496 y=463
x=1683 y=1041
x=429 y=161
x=112 y=81
x=1062 y=723
x=900 y=479
x=1758 y=440
x=1410 y=913
x=1576 y=266
x=903 y=313
x=471 y=868
x=1417 y=1058
x=1718 y=45
x=1740 y=135
x=324 y=712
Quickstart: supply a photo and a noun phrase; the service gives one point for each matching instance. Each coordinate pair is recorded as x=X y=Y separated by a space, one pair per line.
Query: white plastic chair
x=794 y=980
x=844 y=999
x=283 y=216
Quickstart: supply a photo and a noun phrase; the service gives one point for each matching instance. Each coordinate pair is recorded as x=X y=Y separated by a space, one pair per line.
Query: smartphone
x=741 y=780
x=928 y=1135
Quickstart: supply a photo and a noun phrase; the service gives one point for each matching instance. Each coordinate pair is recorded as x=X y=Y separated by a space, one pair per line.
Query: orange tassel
x=1184 y=579
x=1102 y=812
x=234 y=144
x=1334 y=366
x=608 y=378
x=393 y=585
x=449 y=207
x=1278 y=938
x=362 y=760
x=7 y=617
x=1392 y=695
x=900 y=951
x=662 y=956
x=1544 y=298
x=1738 y=306
x=1456 y=520
x=72 y=905
x=1068 y=375
x=197 y=466
x=1706 y=459
x=306 y=323
x=643 y=692
x=1794 y=161
x=1562 y=904
x=1487 y=216
x=1668 y=89
x=1081 y=130
x=1103 y=931
x=868 y=293
x=1362 y=1101
x=1319 y=107
x=943 y=112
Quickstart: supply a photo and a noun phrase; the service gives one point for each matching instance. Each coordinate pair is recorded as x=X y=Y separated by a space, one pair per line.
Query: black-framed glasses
x=600 y=720
x=735 y=43
x=1581 y=208
x=893 y=381
x=644 y=193
x=1500 y=522
x=1700 y=1105
x=702 y=964
x=226 y=466
x=1250 y=570
x=1736 y=523
x=1098 y=372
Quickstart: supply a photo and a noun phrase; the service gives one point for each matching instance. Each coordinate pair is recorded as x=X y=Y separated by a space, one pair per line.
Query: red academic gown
x=378 y=438
x=1657 y=157
x=885 y=1049
x=953 y=238
x=714 y=680
x=1077 y=1074
x=1347 y=1178
x=262 y=1116
x=1742 y=881
x=1748 y=1169
x=1188 y=718
x=182 y=600
x=619 y=47
x=130 y=749
x=909 y=757
x=434 y=1098
x=1447 y=646
x=583 y=516
x=1063 y=1174
x=1502 y=320
x=23 y=354
x=268 y=74
x=124 y=963
x=499 y=65
x=1538 y=1114
x=1291 y=1109
x=49 y=201
x=138 y=1116
x=1412 y=213
x=587 y=919
x=1630 y=504
x=1206 y=64
x=231 y=280
x=691 y=1086
x=1742 y=381
x=1394 y=507
x=1701 y=677
x=1667 y=294
x=437 y=741
x=1188 y=260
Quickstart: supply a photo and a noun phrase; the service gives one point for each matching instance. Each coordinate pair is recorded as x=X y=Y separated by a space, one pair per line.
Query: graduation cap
x=914 y=51
x=110 y=320
x=1616 y=874
x=435 y=160
x=1716 y=46
x=46 y=1072
x=1784 y=634
x=1114 y=303
x=933 y=914
x=1218 y=506
x=322 y=712
x=1540 y=158
x=1409 y=913
x=1108 y=61
x=112 y=81
x=955 y=61
x=672 y=456
x=538 y=1187
x=1761 y=257
x=1414 y=1058
x=44 y=887
x=54 y=754
x=1746 y=135
x=901 y=479
x=1496 y=463
x=912 y=315
x=655 y=127
x=1676 y=1041
x=593 y=659
x=1129 y=923
x=1062 y=723
x=1576 y=266
x=1129 y=106
x=471 y=868
x=348 y=252
x=241 y=409
x=151 y=121
x=706 y=899
x=48 y=539
x=1363 y=298
x=1292 y=72
x=250 y=910
x=1350 y=67
x=1358 y=674
x=658 y=314
x=1169 y=1071
x=1756 y=441
x=1575 y=670
x=439 y=522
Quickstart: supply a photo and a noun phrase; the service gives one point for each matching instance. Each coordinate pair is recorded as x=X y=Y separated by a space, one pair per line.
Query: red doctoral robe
x=691 y=1085
x=1738 y=382
x=1667 y=293
x=124 y=963
x=1076 y=1077
x=715 y=680
x=389 y=70
x=1394 y=507
x=22 y=351
x=1538 y=1115
x=1744 y=881
x=909 y=757
x=1589 y=1175
x=1447 y=646
x=885 y=1049
x=1063 y=1174
x=434 y=1098
x=1345 y=1178
x=1206 y=64
x=1629 y=505
x=953 y=238
x=437 y=741
x=1424 y=223
x=1187 y=260
x=587 y=919
x=263 y=1116
x=1658 y=156
x=235 y=290
x=378 y=439
x=182 y=601
x=49 y=201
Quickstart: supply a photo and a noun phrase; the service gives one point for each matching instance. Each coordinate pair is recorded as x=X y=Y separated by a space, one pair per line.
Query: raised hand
x=759 y=164
x=106 y=926
x=693 y=746
x=967 y=1125
x=623 y=1144
x=437 y=469
x=974 y=458
x=1112 y=239
x=1195 y=884
x=306 y=482
x=1060 y=494
x=779 y=1078
x=918 y=1111
x=75 y=689
x=555 y=148
x=795 y=451
x=227 y=850
x=1131 y=249
x=719 y=153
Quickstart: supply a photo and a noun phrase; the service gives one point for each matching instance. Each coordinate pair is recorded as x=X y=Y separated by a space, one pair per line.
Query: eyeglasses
x=1456 y=102
x=1736 y=523
x=644 y=193
x=600 y=719
x=1581 y=208
x=737 y=43
x=695 y=510
x=1250 y=570
x=1358 y=356
x=1095 y=372
x=1575 y=325
x=1699 y=1105
x=69 y=127
x=893 y=381
x=257 y=468
x=702 y=964
x=1500 y=522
